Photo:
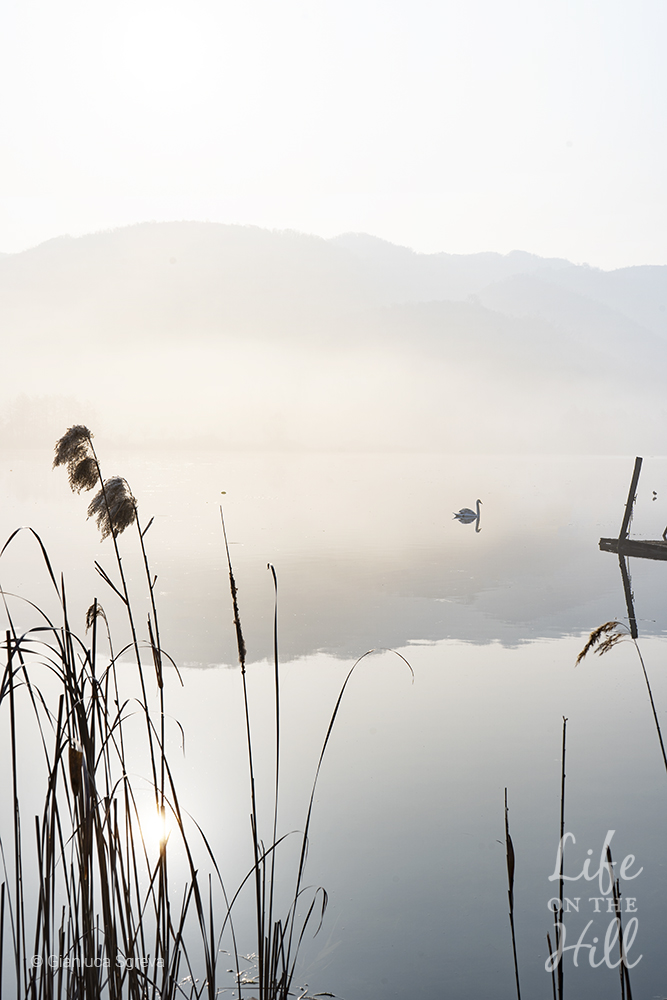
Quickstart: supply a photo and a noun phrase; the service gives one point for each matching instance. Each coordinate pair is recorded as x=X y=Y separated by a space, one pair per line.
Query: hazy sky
x=529 y=124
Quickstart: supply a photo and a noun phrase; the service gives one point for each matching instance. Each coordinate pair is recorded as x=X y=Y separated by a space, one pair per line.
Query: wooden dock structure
x=638 y=547
x=623 y=546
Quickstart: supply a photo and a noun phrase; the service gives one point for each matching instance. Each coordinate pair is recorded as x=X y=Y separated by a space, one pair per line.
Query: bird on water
x=466 y=515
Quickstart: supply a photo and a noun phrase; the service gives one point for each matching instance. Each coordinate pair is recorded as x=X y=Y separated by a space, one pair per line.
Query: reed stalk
x=560 y=921
x=511 y=859
x=553 y=973
x=624 y=972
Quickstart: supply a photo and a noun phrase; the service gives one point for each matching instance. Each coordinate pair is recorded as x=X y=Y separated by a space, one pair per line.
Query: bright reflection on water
x=409 y=814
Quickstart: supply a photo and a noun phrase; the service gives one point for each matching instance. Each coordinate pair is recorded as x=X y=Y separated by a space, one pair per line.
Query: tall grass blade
x=553 y=974
x=560 y=916
x=626 y=989
x=509 y=848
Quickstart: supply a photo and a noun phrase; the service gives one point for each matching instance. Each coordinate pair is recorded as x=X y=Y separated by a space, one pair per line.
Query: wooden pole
x=627 y=588
x=631 y=499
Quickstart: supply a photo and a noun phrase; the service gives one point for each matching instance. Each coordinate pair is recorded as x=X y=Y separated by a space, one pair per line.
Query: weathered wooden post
x=629 y=599
x=631 y=500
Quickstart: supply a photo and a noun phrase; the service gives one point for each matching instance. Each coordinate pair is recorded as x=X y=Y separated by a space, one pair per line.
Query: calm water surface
x=408 y=829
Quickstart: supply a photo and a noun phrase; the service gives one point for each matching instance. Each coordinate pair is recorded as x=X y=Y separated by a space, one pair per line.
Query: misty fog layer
x=365 y=546
x=205 y=334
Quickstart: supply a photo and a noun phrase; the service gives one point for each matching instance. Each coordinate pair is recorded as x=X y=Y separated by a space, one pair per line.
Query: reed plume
x=113 y=507
x=618 y=632
x=595 y=638
x=73 y=446
x=75 y=450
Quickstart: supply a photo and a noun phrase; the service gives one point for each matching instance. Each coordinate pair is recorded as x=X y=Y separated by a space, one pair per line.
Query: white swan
x=466 y=515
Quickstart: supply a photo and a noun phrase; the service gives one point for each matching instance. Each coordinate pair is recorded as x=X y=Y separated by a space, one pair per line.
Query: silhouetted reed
x=604 y=638
x=559 y=929
x=624 y=972
x=511 y=861
x=105 y=906
x=279 y=939
x=554 y=963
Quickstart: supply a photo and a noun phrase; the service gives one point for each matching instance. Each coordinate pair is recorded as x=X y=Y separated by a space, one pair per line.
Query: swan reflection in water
x=467 y=516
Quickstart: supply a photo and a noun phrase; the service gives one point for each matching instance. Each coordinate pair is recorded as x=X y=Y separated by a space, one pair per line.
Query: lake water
x=408 y=828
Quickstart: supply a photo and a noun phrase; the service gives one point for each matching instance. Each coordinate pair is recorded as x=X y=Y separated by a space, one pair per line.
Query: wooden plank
x=649 y=549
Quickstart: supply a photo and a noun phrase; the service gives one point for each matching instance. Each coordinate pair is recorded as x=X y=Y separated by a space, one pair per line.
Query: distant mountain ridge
x=247 y=337
x=412 y=276
x=639 y=293
x=352 y=269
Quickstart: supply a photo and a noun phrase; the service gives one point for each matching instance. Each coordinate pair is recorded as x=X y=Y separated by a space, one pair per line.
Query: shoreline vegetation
x=106 y=912
x=110 y=920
